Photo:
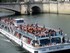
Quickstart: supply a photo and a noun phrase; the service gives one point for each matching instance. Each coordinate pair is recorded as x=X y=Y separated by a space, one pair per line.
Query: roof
x=19 y=19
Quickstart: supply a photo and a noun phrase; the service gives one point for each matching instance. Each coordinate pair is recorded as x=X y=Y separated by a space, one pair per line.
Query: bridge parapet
x=11 y=7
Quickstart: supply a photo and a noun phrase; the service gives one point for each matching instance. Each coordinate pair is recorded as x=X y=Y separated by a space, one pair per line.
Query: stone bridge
x=23 y=8
x=37 y=7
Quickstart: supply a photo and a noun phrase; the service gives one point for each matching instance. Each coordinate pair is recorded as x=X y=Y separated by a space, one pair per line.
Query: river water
x=49 y=20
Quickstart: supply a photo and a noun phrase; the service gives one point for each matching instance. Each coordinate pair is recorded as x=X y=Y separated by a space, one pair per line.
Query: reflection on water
x=4 y=12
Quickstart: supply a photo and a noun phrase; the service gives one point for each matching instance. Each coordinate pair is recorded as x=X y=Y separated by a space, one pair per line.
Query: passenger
x=33 y=42
x=29 y=40
x=36 y=29
x=33 y=32
x=63 y=40
x=19 y=36
x=39 y=29
x=20 y=27
x=32 y=25
x=30 y=31
x=43 y=29
x=60 y=31
x=27 y=27
x=50 y=32
x=37 y=34
x=36 y=25
x=43 y=34
x=46 y=32
x=53 y=33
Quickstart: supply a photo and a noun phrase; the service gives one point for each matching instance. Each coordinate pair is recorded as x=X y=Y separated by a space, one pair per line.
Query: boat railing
x=24 y=33
x=33 y=36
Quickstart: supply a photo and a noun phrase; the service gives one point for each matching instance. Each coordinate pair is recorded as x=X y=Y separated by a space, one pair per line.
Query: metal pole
x=49 y=6
x=57 y=7
x=50 y=38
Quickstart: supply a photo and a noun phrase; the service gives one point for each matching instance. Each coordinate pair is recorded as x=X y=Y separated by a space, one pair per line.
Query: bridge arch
x=16 y=12
x=12 y=7
x=36 y=10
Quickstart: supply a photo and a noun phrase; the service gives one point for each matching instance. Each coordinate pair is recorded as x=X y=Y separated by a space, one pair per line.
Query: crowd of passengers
x=39 y=31
x=35 y=29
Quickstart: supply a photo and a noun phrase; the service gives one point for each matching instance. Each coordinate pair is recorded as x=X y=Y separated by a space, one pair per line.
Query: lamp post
x=57 y=6
x=49 y=6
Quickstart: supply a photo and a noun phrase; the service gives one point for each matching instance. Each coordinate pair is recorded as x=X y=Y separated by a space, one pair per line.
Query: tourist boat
x=33 y=37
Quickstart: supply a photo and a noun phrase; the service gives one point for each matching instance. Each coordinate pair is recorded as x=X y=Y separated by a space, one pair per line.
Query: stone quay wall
x=61 y=8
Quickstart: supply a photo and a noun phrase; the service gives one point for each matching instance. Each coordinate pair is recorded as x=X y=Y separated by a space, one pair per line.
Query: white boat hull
x=31 y=49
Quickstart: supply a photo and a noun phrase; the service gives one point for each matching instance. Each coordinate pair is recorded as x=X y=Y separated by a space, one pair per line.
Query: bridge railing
x=15 y=3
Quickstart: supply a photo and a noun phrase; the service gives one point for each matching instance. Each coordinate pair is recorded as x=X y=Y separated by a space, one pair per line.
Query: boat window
x=18 y=35
x=2 y=25
x=56 y=40
x=44 y=41
x=35 y=42
x=15 y=33
x=11 y=30
x=20 y=21
x=5 y=27
x=8 y=29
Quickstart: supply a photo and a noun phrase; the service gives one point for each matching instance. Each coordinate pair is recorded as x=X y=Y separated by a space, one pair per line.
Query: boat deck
x=32 y=30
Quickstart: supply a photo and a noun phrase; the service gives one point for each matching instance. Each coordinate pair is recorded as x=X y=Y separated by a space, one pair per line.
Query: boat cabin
x=39 y=41
x=18 y=21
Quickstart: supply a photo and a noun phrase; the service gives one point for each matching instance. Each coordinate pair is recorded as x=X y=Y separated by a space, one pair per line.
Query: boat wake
x=6 y=40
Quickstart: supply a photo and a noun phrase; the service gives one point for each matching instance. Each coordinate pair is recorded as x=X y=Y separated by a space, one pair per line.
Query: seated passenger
x=36 y=25
x=32 y=25
x=43 y=29
x=50 y=32
x=20 y=27
x=24 y=28
x=46 y=32
x=39 y=29
x=53 y=33
x=43 y=34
